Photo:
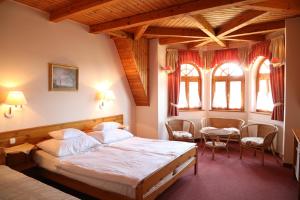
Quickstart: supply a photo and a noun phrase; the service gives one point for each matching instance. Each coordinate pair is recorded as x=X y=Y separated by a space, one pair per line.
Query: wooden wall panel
x=37 y=134
x=134 y=58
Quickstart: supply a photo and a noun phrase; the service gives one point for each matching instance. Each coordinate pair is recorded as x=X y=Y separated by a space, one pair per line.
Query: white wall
x=29 y=42
x=292 y=89
x=147 y=116
x=150 y=120
x=162 y=93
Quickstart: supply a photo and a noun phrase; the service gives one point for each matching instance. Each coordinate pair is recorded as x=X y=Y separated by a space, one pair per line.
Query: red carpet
x=235 y=179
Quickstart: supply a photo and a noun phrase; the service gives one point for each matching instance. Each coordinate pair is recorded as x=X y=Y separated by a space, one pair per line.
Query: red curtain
x=173 y=90
x=227 y=55
x=189 y=56
x=277 y=87
x=259 y=49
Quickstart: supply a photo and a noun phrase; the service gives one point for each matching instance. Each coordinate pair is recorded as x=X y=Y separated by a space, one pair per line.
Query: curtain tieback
x=278 y=104
x=174 y=105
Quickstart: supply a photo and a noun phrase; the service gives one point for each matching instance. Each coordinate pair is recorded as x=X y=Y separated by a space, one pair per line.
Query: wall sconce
x=167 y=69
x=14 y=98
x=104 y=97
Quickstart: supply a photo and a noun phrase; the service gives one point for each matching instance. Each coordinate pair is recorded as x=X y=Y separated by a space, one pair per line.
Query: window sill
x=219 y=110
x=190 y=110
x=262 y=113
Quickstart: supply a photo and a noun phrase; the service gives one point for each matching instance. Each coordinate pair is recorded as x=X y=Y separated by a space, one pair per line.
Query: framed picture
x=63 y=77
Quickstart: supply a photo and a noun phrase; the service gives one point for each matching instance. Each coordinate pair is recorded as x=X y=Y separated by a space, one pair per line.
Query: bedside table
x=20 y=157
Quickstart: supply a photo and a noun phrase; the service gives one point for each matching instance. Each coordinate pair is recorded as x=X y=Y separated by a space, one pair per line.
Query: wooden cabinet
x=19 y=157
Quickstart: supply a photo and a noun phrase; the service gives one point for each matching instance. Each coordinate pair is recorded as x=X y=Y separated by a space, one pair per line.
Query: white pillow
x=105 y=126
x=66 y=133
x=110 y=136
x=68 y=147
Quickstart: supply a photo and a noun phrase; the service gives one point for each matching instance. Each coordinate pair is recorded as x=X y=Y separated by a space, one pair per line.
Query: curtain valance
x=227 y=55
x=259 y=49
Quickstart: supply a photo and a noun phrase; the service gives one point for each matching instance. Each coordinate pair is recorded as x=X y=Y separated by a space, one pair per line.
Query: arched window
x=190 y=87
x=264 y=101
x=228 y=87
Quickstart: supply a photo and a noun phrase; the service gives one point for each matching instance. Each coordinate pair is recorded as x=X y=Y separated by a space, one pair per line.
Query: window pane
x=220 y=100
x=264 y=96
x=182 y=97
x=194 y=99
x=188 y=70
x=229 y=69
x=265 y=67
x=235 y=98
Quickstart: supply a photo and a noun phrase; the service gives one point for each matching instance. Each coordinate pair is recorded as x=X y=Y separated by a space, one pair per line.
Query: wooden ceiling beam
x=174 y=32
x=276 y=5
x=245 y=18
x=77 y=7
x=260 y=28
x=140 y=31
x=246 y=38
x=199 y=44
x=178 y=40
x=118 y=34
x=203 y=25
x=193 y=7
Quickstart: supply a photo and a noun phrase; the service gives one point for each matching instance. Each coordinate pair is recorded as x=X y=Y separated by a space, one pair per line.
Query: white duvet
x=113 y=164
x=161 y=147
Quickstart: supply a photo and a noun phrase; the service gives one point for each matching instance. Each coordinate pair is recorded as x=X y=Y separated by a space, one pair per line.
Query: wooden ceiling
x=193 y=23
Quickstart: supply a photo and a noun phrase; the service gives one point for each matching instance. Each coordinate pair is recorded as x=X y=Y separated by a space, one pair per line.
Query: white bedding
x=161 y=147
x=118 y=167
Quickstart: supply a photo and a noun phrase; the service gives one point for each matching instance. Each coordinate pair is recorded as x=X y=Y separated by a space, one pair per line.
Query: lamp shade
x=15 y=98
x=109 y=96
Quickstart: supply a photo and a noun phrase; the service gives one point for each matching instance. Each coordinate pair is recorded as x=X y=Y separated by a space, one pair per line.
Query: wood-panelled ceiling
x=194 y=23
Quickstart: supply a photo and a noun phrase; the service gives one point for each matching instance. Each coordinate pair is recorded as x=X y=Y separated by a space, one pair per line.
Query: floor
x=229 y=178
x=235 y=179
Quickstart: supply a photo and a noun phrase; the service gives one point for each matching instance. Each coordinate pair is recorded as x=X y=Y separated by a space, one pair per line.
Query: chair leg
x=213 y=153
x=203 y=150
x=227 y=151
x=241 y=152
x=263 y=157
x=272 y=149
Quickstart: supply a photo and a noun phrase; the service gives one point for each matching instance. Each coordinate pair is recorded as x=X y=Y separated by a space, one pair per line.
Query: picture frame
x=63 y=77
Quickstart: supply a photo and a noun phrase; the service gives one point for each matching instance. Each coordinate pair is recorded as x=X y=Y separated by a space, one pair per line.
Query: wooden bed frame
x=35 y=135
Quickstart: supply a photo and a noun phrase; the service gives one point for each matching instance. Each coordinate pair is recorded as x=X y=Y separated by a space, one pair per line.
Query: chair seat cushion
x=182 y=134
x=217 y=144
x=252 y=140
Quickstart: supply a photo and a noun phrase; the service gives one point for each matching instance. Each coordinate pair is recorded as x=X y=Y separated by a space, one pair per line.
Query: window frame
x=187 y=80
x=227 y=80
x=258 y=78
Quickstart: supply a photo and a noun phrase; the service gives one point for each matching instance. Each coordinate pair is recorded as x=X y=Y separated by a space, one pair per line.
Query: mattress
x=52 y=163
x=16 y=186
x=161 y=147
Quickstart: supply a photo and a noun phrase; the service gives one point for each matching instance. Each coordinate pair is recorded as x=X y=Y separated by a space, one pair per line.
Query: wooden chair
x=181 y=130
x=264 y=139
x=236 y=124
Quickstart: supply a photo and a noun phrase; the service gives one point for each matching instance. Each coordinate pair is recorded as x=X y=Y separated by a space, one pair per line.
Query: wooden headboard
x=37 y=134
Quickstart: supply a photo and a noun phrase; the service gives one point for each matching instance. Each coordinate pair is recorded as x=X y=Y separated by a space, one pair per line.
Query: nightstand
x=20 y=157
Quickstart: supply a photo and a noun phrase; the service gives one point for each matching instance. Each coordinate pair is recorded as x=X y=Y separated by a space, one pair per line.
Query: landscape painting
x=63 y=77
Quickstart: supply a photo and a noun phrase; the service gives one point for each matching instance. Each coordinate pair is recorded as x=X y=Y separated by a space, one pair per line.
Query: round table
x=212 y=139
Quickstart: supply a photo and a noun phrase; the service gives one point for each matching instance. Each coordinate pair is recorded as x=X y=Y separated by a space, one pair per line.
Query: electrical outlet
x=12 y=141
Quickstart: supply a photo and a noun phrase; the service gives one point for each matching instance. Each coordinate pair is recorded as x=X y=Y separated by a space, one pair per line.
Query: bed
x=78 y=176
x=15 y=185
x=144 y=175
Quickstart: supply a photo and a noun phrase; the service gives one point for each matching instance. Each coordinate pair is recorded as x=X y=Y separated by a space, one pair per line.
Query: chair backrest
x=179 y=125
x=268 y=132
x=223 y=123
